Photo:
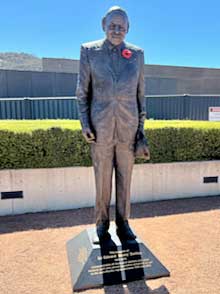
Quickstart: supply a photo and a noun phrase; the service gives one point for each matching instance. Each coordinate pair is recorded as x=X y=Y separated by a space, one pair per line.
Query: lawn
x=31 y=125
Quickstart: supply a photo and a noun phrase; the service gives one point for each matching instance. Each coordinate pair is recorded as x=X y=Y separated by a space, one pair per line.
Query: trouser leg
x=124 y=161
x=102 y=157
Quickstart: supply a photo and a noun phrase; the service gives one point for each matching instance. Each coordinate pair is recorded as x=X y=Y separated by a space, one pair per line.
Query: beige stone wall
x=47 y=189
x=160 y=79
x=60 y=65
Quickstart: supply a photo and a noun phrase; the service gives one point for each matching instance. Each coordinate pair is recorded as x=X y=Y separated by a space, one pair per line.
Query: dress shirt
x=115 y=53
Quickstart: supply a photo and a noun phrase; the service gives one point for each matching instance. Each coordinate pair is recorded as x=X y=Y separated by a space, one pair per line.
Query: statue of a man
x=110 y=94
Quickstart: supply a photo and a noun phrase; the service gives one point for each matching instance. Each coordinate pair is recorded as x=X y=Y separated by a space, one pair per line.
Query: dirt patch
x=183 y=234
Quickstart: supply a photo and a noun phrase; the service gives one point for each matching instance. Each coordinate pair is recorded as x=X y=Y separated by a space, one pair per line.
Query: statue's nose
x=117 y=29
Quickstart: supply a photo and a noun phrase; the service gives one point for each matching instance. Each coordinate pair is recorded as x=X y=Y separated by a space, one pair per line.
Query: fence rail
x=194 y=107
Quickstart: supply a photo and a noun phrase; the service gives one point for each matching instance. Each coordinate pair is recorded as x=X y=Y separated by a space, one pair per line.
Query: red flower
x=126 y=53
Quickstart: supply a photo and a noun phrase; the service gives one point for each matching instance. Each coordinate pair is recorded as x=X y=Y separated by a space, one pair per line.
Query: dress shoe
x=124 y=231
x=101 y=233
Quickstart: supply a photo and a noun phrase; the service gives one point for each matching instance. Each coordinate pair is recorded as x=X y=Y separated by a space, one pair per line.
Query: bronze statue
x=110 y=94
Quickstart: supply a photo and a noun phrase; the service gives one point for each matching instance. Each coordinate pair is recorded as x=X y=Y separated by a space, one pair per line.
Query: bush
x=57 y=147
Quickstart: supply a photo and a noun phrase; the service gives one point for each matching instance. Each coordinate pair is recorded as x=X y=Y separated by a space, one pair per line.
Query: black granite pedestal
x=111 y=262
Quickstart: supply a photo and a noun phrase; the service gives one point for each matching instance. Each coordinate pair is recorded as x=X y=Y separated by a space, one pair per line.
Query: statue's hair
x=116 y=9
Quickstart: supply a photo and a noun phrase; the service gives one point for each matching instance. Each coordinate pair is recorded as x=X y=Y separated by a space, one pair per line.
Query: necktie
x=116 y=59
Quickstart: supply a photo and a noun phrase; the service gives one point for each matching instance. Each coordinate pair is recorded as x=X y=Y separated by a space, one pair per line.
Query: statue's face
x=115 y=27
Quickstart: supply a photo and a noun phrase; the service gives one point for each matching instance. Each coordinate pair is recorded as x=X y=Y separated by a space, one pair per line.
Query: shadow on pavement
x=84 y=216
x=137 y=287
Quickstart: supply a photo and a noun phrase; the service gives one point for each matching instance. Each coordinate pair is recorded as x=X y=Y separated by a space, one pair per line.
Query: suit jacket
x=111 y=104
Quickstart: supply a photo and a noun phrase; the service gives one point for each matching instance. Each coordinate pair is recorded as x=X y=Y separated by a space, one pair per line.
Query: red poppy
x=126 y=53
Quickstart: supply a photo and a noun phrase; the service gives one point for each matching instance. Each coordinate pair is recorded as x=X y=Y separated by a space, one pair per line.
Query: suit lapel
x=108 y=61
x=123 y=62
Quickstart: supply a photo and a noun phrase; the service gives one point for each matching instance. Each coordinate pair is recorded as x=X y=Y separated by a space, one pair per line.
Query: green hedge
x=57 y=147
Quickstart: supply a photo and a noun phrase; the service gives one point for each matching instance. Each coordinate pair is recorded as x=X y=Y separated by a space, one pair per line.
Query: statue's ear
x=128 y=27
x=103 y=23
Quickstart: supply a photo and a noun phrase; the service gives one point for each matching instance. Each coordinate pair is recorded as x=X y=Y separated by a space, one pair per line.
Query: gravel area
x=183 y=234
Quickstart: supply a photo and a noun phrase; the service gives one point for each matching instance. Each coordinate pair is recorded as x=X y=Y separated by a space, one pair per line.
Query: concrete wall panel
x=18 y=83
x=159 y=80
x=65 y=84
x=43 y=84
x=74 y=187
x=3 y=84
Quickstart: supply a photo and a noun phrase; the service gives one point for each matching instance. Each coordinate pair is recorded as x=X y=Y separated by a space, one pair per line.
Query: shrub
x=57 y=147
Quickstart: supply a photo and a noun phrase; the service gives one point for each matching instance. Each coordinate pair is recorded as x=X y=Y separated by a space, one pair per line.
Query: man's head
x=115 y=25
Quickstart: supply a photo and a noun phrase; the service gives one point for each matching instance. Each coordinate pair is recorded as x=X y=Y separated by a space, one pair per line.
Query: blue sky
x=184 y=33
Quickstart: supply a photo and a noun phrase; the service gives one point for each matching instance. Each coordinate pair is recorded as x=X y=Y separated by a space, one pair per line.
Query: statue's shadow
x=135 y=288
x=116 y=265
x=128 y=276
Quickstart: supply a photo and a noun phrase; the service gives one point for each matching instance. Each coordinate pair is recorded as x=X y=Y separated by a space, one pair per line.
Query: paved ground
x=183 y=234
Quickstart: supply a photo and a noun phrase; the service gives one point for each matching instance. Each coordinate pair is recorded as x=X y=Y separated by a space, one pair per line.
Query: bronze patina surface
x=110 y=94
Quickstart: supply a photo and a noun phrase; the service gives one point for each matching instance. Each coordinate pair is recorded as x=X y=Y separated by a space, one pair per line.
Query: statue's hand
x=88 y=135
x=146 y=152
x=141 y=146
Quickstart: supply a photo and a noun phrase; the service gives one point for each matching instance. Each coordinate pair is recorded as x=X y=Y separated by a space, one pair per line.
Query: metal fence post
x=27 y=108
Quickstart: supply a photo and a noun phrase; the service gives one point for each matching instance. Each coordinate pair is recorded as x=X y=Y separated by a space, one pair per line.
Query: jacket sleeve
x=140 y=94
x=83 y=91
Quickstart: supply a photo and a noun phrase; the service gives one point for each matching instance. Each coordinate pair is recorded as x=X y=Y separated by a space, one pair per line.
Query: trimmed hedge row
x=56 y=147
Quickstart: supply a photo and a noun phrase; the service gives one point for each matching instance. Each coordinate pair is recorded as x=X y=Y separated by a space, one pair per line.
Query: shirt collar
x=110 y=46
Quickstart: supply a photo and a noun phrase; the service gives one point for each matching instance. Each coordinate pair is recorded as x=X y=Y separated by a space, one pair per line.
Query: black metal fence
x=39 y=108
x=191 y=107
x=15 y=83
